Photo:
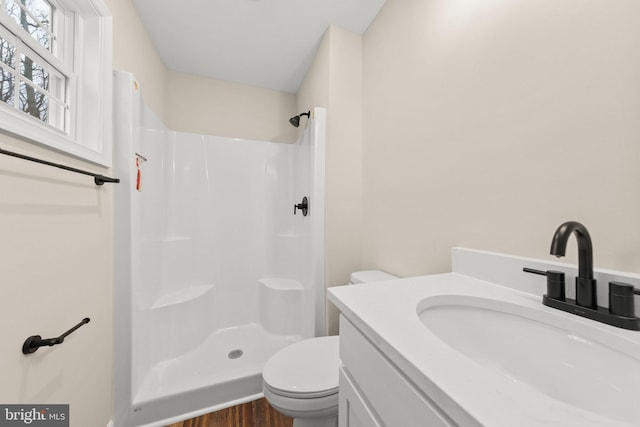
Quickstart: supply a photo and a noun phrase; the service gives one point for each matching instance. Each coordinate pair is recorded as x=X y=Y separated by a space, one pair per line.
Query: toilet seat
x=298 y=395
x=288 y=372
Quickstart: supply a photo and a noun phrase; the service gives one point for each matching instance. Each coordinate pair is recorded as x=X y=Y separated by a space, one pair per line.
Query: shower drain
x=234 y=354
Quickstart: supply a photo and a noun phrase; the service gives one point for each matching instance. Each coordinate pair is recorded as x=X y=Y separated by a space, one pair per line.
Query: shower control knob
x=304 y=207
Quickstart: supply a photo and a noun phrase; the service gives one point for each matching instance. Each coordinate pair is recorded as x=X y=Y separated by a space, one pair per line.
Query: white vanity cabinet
x=374 y=393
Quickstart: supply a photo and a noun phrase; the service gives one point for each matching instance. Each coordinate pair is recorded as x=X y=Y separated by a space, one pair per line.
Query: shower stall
x=214 y=272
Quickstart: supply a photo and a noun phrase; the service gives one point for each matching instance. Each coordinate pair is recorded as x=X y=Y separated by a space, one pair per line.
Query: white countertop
x=387 y=313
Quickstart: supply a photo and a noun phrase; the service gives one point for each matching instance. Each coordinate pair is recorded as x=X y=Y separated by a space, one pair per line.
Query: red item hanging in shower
x=138 y=175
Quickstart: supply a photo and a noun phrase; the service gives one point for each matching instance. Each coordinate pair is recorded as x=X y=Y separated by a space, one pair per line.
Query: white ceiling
x=265 y=43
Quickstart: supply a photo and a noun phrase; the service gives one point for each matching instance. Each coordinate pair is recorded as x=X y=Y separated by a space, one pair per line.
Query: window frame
x=85 y=44
x=63 y=73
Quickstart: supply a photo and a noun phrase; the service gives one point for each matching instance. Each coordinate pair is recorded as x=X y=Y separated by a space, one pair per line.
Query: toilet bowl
x=301 y=380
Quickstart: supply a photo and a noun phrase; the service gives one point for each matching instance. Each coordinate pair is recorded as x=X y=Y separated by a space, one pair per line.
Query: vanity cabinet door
x=395 y=400
x=353 y=409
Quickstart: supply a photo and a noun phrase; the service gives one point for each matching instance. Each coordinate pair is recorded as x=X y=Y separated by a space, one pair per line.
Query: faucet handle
x=555 y=282
x=621 y=299
x=304 y=206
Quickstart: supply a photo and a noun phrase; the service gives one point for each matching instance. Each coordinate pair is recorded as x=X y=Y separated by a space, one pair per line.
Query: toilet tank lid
x=371 y=276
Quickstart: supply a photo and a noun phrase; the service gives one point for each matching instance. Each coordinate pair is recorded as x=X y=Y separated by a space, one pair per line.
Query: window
x=55 y=75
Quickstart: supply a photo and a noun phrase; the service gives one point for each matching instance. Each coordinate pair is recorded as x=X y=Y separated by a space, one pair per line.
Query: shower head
x=295 y=120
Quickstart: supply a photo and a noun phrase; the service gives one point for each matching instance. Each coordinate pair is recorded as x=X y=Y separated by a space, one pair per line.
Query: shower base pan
x=225 y=370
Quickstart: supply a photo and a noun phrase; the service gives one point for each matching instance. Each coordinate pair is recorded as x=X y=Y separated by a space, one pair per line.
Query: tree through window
x=28 y=81
x=33 y=16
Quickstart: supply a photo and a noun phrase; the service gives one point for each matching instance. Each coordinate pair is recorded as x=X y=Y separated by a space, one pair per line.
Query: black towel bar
x=97 y=178
x=34 y=342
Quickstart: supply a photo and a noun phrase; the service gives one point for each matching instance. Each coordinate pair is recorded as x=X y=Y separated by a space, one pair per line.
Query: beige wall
x=56 y=263
x=335 y=82
x=314 y=90
x=134 y=52
x=488 y=124
x=55 y=259
x=215 y=107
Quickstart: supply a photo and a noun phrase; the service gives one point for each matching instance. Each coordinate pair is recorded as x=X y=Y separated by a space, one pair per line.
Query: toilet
x=301 y=380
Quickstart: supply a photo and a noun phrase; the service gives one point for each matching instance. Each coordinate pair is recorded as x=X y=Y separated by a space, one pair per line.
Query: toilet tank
x=370 y=276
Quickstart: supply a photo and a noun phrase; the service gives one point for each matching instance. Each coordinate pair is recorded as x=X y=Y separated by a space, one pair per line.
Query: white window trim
x=90 y=90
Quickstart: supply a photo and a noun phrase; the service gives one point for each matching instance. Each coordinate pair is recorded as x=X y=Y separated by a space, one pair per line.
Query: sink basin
x=575 y=361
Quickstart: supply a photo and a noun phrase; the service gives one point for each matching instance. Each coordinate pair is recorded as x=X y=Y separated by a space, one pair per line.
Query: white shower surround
x=209 y=259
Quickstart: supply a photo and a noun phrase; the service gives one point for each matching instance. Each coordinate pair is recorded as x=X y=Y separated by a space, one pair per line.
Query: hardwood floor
x=252 y=414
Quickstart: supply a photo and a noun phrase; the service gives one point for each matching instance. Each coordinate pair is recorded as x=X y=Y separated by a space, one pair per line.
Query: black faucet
x=585 y=283
x=621 y=310
x=304 y=206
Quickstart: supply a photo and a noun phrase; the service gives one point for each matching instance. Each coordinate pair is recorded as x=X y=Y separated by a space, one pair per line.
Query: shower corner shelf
x=281 y=284
x=182 y=296
x=169 y=238
x=288 y=235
